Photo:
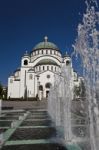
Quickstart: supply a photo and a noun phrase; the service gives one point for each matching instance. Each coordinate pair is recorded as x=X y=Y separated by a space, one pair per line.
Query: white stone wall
x=16 y=89
x=23 y=82
x=31 y=84
x=13 y=88
x=43 y=80
x=10 y=86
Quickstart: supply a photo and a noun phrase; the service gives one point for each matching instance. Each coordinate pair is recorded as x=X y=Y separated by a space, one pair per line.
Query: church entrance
x=48 y=86
x=41 y=92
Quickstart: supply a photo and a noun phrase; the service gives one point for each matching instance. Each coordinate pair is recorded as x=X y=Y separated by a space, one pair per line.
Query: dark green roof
x=45 y=44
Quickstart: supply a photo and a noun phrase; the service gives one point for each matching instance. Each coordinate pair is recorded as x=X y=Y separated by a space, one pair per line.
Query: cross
x=46 y=38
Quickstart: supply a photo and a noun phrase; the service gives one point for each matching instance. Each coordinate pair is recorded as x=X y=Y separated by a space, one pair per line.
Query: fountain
x=59 y=102
x=69 y=115
x=87 y=47
x=78 y=121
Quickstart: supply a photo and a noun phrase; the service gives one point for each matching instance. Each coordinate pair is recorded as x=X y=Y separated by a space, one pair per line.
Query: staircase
x=35 y=131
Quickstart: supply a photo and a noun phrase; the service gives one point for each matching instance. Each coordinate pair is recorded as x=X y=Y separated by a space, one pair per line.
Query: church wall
x=23 y=83
x=44 y=79
x=13 y=88
x=16 y=89
x=31 y=84
x=36 y=84
x=10 y=86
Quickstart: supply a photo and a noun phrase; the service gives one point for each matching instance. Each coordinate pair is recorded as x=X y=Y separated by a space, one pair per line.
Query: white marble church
x=37 y=71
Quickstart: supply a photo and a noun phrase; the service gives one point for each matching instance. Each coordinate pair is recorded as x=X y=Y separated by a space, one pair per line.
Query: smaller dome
x=45 y=44
x=46 y=62
x=17 y=70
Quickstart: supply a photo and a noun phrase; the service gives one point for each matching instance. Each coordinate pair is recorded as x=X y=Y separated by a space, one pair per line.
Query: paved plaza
x=27 y=126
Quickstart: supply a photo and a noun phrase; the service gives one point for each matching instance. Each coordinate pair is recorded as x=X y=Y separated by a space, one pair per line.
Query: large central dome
x=45 y=44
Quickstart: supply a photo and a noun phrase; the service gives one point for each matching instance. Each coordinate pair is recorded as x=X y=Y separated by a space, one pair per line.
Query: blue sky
x=24 y=23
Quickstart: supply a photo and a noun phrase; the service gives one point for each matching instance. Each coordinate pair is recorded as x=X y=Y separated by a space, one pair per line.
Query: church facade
x=37 y=72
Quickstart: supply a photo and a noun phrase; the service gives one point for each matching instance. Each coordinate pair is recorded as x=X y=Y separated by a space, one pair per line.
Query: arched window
x=48 y=85
x=25 y=62
x=30 y=76
x=41 y=88
x=36 y=68
x=43 y=67
x=52 y=68
x=47 y=67
x=67 y=62
x=39 y=68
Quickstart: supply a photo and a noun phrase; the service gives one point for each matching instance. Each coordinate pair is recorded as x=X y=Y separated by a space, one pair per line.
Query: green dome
x=45 y=44
x=46 y=62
